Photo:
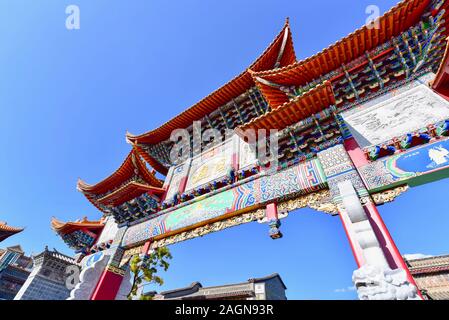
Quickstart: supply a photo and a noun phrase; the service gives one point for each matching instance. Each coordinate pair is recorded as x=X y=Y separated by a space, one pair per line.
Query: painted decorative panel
x=210 y=165
x=335 y=160
x=302 y=179
x=109 y=231
x=338 y=167
x=408 y=167
x=402 y=113
x=180 y=173
x=425 y=79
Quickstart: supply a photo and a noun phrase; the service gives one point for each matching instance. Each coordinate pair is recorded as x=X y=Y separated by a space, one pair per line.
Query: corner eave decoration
x=7 y=231
x=63 y=228
x=119 y=186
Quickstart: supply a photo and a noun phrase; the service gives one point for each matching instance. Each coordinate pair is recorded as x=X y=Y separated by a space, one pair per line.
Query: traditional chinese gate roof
x=301 y=107
x=128 y=192
x=7 y=231
x=279 y=53
x=397 y=20
x=63 y=228
x=130 y=180
x=79 y=235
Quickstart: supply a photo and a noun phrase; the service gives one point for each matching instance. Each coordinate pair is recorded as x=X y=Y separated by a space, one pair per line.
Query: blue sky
x=68 y=97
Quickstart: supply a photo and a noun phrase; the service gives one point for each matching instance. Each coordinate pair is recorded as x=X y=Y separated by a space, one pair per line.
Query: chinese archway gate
x=356 y=125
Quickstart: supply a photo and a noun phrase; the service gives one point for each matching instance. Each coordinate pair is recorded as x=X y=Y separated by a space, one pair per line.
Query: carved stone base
x=377 y=283
x=89 y=277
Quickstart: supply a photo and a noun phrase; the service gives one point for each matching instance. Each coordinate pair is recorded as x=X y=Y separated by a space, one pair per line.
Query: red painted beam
x=355 y=153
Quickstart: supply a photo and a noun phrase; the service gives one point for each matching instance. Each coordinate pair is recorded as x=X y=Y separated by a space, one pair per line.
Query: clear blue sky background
x=68 y=97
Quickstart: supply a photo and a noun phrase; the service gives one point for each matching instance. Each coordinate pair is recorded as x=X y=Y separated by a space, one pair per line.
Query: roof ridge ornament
x=233 y=88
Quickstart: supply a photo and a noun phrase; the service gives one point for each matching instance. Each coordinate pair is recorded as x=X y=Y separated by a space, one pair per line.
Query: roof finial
x=79 y=184
x=127 y=137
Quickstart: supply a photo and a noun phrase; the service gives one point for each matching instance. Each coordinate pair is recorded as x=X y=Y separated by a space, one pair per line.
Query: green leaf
x=148 y=269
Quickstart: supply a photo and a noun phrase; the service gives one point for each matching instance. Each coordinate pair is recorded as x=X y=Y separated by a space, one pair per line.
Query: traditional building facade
x=15 y=267
x=432 y=276
x=342 y=132
x=47 y=280
x=267 y=288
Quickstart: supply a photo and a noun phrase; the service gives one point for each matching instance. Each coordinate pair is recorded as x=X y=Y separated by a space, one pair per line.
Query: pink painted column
x=392 y=254
x=146 y=247
x=235 y=164
x=272 y=211
x=182 y=185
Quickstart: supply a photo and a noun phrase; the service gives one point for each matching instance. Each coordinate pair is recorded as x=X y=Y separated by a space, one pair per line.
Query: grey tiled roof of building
x=197 y=291
x=56 y=254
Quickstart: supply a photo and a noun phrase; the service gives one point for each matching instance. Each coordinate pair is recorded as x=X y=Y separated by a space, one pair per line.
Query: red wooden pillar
x=390 y=249
x=392 y=253
x=235 y=154
x=110 y=282
x=108 y=286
